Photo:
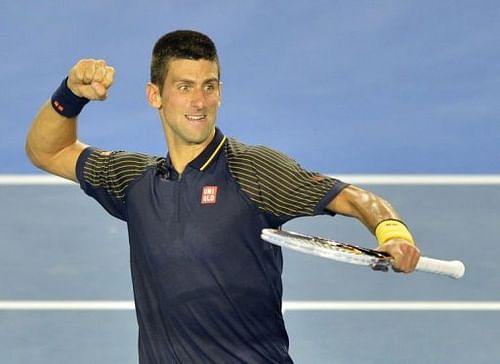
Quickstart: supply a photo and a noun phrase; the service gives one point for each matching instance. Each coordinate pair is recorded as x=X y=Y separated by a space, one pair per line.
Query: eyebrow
x=183 y=80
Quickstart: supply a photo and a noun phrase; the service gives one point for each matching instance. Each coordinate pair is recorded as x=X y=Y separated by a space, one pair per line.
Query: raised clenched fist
x=91 y=78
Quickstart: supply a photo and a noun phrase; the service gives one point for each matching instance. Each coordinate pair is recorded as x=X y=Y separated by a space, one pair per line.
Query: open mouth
x=196 y=117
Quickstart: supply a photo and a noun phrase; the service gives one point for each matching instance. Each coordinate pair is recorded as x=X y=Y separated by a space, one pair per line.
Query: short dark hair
x=180 y=44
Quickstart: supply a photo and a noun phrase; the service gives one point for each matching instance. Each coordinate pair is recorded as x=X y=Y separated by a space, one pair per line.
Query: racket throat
x=381 y=265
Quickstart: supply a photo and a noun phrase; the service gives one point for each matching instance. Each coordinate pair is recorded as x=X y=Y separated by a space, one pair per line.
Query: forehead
x=189 y=69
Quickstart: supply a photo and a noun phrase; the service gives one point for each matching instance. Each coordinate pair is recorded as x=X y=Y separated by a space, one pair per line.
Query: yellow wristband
x=392 y=229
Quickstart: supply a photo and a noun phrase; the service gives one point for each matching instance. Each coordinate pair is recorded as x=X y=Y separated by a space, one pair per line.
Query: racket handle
x=454 y=268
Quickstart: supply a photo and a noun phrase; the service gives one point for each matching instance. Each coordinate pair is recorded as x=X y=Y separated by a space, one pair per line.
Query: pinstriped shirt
x=207 y=288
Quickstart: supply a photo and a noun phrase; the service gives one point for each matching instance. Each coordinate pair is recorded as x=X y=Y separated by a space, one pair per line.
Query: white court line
x=421 y=179
x=32 y=179
x=287 y=305
x=373 y=179
x=391 y=306
x=66 y=305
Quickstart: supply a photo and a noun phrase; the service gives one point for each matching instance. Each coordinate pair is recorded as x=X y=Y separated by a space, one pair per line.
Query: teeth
x=195 y=117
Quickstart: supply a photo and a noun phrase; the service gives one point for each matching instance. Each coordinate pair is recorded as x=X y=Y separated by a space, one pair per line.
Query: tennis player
x=207 y=289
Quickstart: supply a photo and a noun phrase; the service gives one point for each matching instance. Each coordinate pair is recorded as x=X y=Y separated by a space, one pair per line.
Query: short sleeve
x=279 y=185
x=106 y=176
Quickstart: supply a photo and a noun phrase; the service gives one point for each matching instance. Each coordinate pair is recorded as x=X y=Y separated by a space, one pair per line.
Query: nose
x=198 y=98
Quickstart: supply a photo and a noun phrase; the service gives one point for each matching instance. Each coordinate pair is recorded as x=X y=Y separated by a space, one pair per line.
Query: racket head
x=327 y=248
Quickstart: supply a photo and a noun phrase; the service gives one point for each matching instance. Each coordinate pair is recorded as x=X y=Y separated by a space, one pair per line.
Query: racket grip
x=453 y=268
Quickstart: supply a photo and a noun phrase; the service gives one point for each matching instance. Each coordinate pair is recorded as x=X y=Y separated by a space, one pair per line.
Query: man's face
x=190 y=101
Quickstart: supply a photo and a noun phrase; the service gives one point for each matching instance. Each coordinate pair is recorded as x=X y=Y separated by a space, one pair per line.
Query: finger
x=76 y=77
x=405 y=255
x=109 y=76
x=88 y=73
x=413 y=254
x=77 y=72
x=100 y=71
x=396 y=254
x=406 y=258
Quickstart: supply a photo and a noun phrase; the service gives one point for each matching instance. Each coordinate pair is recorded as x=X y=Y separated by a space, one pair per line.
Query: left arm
x=371 y=210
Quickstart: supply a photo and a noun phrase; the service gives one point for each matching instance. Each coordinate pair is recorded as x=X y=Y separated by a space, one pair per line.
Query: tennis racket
x=352 y=254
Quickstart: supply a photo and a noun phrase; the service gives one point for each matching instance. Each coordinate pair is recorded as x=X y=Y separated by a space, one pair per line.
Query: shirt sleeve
x=106 y=176
x=279 y=185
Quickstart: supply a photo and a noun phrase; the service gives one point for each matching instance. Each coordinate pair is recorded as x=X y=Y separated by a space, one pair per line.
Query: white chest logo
x=209 y=195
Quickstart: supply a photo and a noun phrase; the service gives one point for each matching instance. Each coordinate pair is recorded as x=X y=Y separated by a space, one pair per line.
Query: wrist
x=65 y=102
x=392 y=229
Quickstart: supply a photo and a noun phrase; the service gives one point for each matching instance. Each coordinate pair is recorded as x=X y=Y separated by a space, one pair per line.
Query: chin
x=201 y=137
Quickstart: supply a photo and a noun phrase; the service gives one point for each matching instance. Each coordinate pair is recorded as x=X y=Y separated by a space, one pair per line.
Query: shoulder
x=114 y=170
x=132 y=159
x=98 y=159
x=257 y=155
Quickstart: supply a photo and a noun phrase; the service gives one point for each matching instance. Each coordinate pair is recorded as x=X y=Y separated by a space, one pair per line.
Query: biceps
x=63 y=164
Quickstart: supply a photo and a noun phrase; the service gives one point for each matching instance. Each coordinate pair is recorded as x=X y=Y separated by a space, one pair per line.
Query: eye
x=183 y=87
x=210 y=87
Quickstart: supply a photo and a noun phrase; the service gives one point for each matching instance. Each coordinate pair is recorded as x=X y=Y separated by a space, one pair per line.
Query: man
x=207 y=288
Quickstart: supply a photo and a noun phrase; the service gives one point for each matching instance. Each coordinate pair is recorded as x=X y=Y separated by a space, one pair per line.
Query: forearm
x=51 y=135
x=363 y=205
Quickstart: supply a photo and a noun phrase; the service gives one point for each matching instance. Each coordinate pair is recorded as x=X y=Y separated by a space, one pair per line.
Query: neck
x=181 y=153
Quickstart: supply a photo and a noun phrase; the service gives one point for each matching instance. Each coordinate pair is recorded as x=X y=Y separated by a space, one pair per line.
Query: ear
x=220 y=92
x=153 y=95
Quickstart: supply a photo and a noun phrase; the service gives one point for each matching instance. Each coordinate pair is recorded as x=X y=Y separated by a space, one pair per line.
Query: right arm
x=52 y=142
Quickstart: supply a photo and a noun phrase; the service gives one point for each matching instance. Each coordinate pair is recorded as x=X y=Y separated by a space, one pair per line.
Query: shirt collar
x=205 y=158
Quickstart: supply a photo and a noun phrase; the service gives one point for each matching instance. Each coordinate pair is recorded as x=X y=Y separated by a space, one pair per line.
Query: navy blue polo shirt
x=207 y=289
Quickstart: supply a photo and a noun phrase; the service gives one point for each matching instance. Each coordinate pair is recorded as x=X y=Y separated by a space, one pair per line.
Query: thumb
x=100 y=91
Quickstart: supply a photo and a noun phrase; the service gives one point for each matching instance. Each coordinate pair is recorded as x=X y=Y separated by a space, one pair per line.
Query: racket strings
x=337 y=245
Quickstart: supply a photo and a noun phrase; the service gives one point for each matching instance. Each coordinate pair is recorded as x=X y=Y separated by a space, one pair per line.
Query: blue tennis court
x=406 y=89
x=66 y=292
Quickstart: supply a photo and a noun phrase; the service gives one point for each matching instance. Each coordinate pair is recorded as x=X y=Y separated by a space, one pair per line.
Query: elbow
x=34 y=157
